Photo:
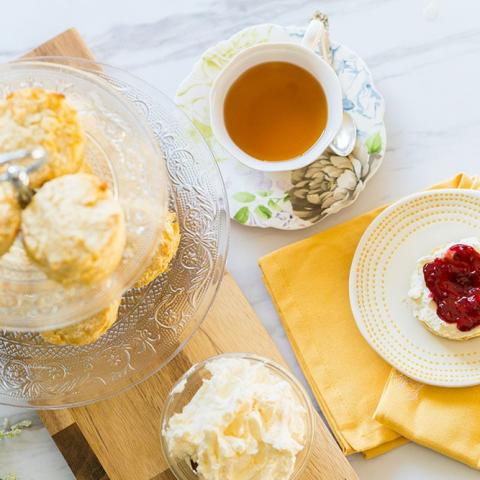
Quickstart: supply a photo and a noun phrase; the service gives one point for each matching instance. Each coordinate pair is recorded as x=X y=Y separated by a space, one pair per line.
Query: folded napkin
x=444 y=419
x=308 y=282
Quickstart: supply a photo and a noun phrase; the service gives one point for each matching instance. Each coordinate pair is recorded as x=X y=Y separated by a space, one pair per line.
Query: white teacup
x=302 y=55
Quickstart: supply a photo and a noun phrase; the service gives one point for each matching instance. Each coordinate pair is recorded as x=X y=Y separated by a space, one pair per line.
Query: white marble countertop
x=424 y=56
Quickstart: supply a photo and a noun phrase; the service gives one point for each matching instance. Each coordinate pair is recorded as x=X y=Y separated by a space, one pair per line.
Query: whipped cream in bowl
x=237 y=417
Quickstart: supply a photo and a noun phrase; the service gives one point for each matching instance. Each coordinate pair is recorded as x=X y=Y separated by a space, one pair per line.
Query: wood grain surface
x=118 y=439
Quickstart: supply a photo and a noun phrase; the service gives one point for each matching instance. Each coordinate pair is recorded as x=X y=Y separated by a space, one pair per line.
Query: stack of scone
x=74 y=229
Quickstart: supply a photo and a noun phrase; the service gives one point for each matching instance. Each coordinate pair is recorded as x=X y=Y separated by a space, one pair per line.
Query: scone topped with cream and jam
x=445 y=290
x=74 y=229
x=33 y=116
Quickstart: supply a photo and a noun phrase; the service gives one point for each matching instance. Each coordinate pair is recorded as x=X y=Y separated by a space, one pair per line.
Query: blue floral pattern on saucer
x=300 y=198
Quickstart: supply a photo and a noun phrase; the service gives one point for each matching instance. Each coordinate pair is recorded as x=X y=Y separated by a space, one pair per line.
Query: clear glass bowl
x=122 y=150
x=154 y=322
x=191 y=381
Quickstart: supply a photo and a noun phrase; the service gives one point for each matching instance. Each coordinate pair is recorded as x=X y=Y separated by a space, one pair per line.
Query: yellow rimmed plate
x=380 y=279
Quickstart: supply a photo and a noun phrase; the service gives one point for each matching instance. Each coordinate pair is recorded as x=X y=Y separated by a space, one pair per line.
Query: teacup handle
x=317 y=31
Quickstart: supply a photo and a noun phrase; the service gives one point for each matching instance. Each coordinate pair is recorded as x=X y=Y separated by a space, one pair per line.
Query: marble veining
x=424 y=57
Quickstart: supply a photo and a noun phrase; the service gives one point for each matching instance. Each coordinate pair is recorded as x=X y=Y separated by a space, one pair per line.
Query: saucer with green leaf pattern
x=299 y=198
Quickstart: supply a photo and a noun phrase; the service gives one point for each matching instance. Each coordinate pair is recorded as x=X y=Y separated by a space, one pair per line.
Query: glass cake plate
x=121 y=149
x=155 y=322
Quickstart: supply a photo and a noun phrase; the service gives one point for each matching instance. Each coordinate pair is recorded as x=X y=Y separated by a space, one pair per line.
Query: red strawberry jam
x=454 y=283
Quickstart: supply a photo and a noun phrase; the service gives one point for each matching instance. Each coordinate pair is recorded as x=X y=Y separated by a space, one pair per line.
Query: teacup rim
x=222 y=136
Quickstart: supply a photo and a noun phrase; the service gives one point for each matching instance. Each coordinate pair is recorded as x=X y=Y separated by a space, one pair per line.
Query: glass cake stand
x=155 y=322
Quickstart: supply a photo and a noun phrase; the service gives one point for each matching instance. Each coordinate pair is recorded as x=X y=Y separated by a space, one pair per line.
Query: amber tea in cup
x=276 y=107
x=275 y=111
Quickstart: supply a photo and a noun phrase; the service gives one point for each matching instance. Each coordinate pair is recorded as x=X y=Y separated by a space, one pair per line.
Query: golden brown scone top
x=10 y=215
x=74 y=229
x=34 y=116
x=164 y=253
x=87 y=331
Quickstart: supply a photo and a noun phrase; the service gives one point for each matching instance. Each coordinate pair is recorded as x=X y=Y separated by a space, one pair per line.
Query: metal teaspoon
x=344 y=141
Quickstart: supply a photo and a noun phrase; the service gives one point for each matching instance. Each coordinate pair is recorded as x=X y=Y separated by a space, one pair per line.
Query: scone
x=166 y=250
x=10 y=215
x=34 y=116
x=74 y=229
x=85 y=332
x=445 y=290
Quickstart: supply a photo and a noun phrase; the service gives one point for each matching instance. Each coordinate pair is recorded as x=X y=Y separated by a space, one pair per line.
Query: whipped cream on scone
x=425 y=309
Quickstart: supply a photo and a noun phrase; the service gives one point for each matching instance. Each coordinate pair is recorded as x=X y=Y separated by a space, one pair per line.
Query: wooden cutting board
x=119 y=438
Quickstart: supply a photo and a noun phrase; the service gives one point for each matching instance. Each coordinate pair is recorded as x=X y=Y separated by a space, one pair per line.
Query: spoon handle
x=325 y=39
x=17 y=172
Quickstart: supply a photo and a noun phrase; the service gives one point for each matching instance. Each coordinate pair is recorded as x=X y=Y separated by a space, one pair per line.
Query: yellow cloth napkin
x=308 y=282
x=444 y=419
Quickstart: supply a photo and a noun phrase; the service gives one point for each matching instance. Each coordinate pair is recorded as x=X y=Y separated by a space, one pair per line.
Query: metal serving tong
x=20 y=164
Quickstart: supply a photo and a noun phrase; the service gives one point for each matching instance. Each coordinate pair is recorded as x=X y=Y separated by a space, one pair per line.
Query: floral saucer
x=300 y=198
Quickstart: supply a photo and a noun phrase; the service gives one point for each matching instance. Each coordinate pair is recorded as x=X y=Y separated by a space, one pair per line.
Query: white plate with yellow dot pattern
x=380 y=279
